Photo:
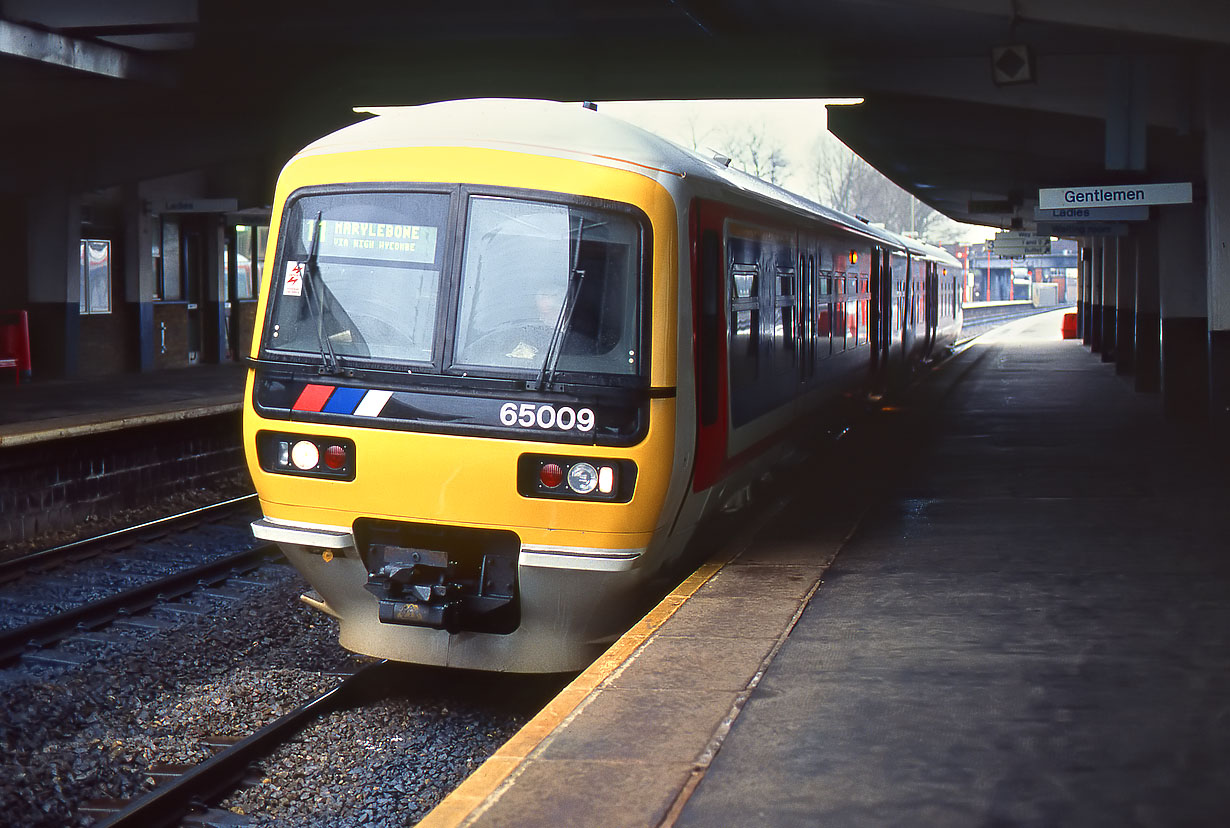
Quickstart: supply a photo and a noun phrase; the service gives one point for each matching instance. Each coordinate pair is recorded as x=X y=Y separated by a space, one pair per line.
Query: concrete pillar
x=1148 y=311
x=54 y=283
x=1184 y=304
x=1217 y=178
x=1095 y=298
x=1110 y=301
x=1125 y=322
x=139 y=272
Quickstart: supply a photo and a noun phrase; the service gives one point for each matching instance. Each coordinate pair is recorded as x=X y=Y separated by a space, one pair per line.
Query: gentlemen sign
x=1117 y=195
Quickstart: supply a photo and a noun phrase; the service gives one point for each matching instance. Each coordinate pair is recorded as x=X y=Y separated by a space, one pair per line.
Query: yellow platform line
x=469 y=798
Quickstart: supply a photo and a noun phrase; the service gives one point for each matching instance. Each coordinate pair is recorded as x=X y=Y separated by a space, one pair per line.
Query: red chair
x=15 y=343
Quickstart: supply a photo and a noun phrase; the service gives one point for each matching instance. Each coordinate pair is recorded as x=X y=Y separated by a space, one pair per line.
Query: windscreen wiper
x=546 y=374
x=329 y=361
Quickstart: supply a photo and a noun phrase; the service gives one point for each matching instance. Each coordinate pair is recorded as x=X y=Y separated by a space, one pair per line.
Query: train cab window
x=361 y=283
x=535 y=273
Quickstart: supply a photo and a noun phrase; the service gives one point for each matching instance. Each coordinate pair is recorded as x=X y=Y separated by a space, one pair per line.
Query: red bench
x=15 y=343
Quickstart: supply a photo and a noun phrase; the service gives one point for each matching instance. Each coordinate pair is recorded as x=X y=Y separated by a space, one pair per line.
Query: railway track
x=78 y=588
x=87 y=548
x=190 y=793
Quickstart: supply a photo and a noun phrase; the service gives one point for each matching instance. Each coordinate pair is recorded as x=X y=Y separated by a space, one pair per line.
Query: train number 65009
x=565 y=418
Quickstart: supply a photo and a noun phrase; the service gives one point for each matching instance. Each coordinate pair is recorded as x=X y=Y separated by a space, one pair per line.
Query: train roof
x=567 y=130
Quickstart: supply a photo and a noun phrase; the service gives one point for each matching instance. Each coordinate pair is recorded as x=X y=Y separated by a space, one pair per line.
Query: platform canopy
x=972 y=105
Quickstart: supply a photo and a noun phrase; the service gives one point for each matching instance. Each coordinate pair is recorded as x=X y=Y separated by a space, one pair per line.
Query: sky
x=799 y=125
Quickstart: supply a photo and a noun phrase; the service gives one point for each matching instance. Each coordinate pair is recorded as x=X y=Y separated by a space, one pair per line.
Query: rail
x=49 y=630
x=211 y=780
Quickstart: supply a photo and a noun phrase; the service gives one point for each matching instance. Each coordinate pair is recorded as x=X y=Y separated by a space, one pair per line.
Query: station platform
x=55 y=409
x=1004 y=601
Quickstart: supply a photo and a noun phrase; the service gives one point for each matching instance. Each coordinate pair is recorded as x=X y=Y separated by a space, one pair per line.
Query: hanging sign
x=1074 y=229
x=1115 y=195
x=1093 y=214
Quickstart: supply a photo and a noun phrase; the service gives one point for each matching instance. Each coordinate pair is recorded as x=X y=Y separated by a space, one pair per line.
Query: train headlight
x=582 y=478
x=575 y=478
x=305 y=455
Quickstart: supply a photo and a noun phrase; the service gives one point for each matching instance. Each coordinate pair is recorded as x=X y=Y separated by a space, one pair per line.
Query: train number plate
x=547 y=417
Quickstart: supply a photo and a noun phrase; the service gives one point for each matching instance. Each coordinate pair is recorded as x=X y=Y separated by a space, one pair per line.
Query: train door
x=907 y=311
x=932 y=303
x=806 y=319
x=876 y=309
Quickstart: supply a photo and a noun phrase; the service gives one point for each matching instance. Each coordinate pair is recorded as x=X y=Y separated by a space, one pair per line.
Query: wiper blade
x=546 y=374
x=328 y=358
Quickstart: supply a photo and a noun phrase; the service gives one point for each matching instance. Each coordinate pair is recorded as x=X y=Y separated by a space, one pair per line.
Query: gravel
x=69 y=735
x=389 y=762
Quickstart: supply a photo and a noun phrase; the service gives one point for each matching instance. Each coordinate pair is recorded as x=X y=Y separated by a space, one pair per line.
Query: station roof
x=972 y=105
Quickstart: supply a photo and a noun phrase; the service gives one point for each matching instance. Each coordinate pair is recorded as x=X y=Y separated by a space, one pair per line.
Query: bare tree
x=756 y=152
x=838 y=177
x=846 y=182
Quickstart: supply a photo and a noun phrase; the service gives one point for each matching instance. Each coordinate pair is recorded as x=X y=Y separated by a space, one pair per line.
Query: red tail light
x=335 y=457
x=551 y=475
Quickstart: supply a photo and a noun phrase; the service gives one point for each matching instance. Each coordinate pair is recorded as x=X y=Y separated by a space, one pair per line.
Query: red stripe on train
x=313 y=398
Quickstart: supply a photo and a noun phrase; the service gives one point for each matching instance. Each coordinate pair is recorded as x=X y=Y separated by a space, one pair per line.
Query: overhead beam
x=1193 y=20
x=87 y=56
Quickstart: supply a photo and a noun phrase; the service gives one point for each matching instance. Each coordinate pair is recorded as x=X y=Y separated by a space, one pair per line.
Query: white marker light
x=304 y=455
x=606 y=479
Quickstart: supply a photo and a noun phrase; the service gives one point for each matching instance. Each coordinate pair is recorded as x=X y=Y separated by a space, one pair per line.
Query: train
x=510 y=355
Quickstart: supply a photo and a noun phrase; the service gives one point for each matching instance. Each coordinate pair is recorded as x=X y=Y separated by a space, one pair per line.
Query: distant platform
x=41 y=411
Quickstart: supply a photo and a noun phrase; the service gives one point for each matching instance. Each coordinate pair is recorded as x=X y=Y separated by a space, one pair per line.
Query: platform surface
x=56 y=409
x=1017 y=613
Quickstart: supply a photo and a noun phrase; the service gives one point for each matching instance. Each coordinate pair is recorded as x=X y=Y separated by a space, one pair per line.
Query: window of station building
x=250 y=242
x=168 y=276
x=95 y=276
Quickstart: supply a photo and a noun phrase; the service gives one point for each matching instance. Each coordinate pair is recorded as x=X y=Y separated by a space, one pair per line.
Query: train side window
x=839 y=313
x=783 y=311
x=824 y=314
x=744 y=277
x=853 y=310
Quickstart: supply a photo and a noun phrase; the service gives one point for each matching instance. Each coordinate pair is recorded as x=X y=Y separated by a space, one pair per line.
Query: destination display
x=376 y=240
x=1057 y=198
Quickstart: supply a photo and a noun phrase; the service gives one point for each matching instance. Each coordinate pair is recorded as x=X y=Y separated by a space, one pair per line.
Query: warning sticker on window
x=294 y=279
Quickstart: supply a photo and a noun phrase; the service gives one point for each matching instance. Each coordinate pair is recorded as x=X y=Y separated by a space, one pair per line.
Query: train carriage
x=510 y=354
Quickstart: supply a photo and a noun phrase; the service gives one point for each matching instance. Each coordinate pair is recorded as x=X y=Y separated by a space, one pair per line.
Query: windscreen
x=360 y=276
x=534 y=274
x=539 y=289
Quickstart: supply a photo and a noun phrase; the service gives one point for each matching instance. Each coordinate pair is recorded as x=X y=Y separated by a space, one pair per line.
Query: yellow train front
x=460 y=416
x=511 y=354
